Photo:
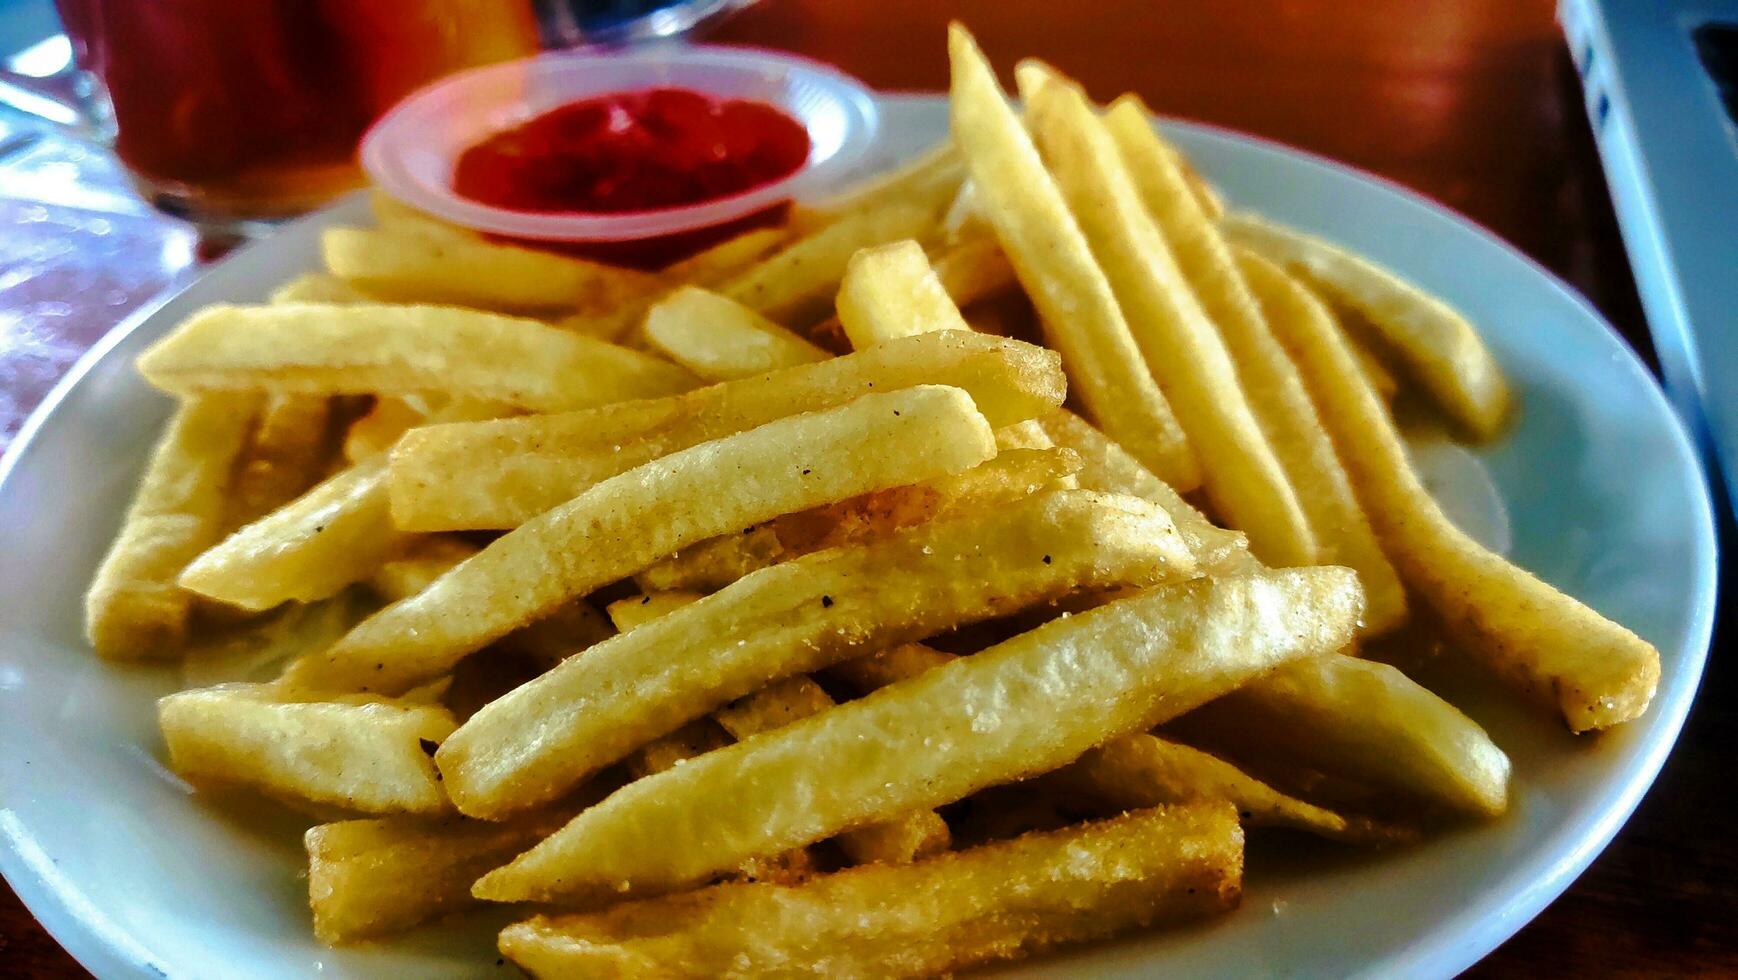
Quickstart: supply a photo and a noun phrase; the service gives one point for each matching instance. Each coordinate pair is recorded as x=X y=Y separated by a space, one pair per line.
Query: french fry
x=422 y=561
x=1275 y=392
x=1187 y=356
x=974 y=268
x=389 y=418
x=1142 y=770
x=504 y=473
x=1381 y=380
x=1542 y=642
x=719 y=339
x=1432 y=342
x=711 y=565
x=1107 y=467
x=979 y=721
x=795 y=284
x=285 y=455
x=422 y=265
x=934 y=175
x=951 y=912
x=319 y=287
x=1051 y=257
x=367 y=756
x=255 y=650
x=135 y=607
x=367 y=878
x=627 y=522
x=385 y=349
x=391 y=214
x=890 y=292
x=794 y=618
x=725 y=259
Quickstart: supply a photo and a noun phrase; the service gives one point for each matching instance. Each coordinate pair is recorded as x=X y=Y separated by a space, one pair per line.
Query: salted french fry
x=320 y=287
x=627 y=522
x=795 y=618
x=1546 y=644
x=333 y=535
x=948 y=913
x=286 y=454
x=719 y=339
x=1054 y=263
x=711 y=565
x=1106 y=466
x=1023 y=707
x=504 y=473
x=1184 y=352
x=388 y=419
x=890 y=292
x=371 y=756
x=1276 y=394
x=368 y=878
x=135 y=607
x=725 y=259
x=1429 y=339
x=636 y=611
x=1143 y=770
x=323 y=349
x=795 y=284
x=933 y=175
x=423 y=265
x=890 y=666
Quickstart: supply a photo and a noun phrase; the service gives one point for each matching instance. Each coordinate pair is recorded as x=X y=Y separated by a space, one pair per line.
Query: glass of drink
x=233 y=113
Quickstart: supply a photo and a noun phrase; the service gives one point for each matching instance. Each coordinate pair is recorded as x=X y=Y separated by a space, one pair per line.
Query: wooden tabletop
x=1471 y=102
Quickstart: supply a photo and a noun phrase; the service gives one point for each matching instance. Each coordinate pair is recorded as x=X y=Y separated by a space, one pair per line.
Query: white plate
x=138 y=877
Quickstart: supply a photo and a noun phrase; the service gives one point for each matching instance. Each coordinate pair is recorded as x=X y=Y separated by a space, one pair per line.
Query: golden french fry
x=974 y=268
x=504 y=473
x=725 y=259
x=424 y=265
x=711 y=565
x=1187 y=356
x=1431 y=341
x=319 y=287
x=135 y=607
x=793 y=618
x=627 y=522
x=890 y=292
x=719 y=339
x=1276 y=393
x=385 y=421
x=371 y=756
x=381 y=348
x=931 y=176
x=1544 y=643
x=1376 y=373
x=1026 y=706
x=286 y=454
x=795 y=284
x=422 y=561
x=1054 y=263
x=951 y=912
x=367 y=878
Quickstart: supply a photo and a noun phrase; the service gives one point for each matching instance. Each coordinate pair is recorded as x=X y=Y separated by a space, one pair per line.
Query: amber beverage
x=232 y=111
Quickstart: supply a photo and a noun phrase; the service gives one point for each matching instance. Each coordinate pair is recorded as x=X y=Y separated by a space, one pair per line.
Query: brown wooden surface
x=1471 y=102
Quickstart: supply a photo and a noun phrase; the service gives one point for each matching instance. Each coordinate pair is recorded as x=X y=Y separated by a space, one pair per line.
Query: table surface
x=1471 y=102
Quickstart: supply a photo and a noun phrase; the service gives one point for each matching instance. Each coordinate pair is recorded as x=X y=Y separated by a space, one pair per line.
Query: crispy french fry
x=1275 y=392
x=380 y=348
x=320 y=287
x=890 y=292
x=367 y=878
x=135 y=607
x=424 y=265
x=286 y=454
x=1054 y=263
x=932 y=175
x=954 y=911
x=1144 y=770
x=368 y=756
x=727 y=258
x=1542 y=642
x=1106 y=466
x=978 y=721
x=795 y=284
x=719 y=339
x=1432 y=342
x=636 y=611
x=793 y=618
x=1183 y=351
x=711 y=565
x=629 y=521
x=504 y=473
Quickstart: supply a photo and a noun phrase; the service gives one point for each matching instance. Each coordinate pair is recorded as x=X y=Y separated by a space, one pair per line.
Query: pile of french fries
x=950 y=573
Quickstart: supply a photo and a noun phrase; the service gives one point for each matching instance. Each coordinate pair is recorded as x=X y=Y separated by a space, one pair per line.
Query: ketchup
x=633 y=151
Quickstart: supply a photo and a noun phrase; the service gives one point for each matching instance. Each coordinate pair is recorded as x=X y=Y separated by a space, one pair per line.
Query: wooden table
x=1471 y=102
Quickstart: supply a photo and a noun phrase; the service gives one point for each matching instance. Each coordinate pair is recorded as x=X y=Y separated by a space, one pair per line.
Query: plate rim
x=1447 y=946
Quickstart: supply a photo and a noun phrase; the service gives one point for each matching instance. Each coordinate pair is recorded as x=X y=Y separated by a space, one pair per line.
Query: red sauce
x=633 y=151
